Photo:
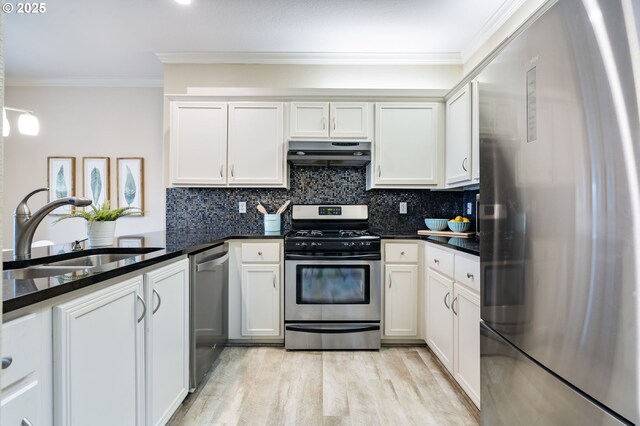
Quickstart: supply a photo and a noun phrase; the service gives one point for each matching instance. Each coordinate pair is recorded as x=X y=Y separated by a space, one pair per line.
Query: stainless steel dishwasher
x=209 y=329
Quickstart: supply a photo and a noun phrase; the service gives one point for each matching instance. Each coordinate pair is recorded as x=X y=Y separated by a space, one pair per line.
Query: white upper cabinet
x=408 y=145
x=256 y=144
x=340 y=120
x=198 y=143
x=458 y=138
x=475 y=132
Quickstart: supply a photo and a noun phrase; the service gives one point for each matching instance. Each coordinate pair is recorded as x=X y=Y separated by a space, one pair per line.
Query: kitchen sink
x=40 y=271
x=92 y=260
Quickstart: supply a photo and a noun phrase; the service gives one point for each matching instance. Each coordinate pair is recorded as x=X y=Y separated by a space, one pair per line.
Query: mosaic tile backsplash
x=216 y=209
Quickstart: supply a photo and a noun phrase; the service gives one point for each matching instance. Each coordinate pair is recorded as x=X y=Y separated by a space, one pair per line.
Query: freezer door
x=516 y=391
x=560 y=197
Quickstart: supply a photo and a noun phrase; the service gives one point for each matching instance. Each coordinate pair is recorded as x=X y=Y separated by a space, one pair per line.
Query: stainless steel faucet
x=24 y=224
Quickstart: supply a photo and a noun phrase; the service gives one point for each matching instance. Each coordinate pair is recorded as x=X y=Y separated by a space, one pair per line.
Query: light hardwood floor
x=270 y=386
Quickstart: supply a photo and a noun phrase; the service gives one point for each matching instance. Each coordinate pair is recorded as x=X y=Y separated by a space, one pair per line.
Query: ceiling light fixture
x=184 y=2
x=28 y=123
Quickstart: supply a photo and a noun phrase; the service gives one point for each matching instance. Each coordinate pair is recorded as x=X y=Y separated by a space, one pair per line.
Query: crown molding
x=504 y=12
x=84 y=82
x=301 y=58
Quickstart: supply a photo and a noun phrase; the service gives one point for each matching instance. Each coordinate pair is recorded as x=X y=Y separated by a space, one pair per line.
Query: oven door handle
x=372 y=256
x=332 y=330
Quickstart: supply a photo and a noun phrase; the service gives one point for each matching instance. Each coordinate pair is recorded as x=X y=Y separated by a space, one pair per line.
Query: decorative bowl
x=436 y=224
x=459 y=226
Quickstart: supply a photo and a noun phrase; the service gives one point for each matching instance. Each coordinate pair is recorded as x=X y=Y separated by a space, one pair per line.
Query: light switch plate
x=403 y=208
x=469 y=207
x=242 y=207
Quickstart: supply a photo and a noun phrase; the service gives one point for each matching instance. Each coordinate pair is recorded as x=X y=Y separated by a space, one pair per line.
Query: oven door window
x=332 y=284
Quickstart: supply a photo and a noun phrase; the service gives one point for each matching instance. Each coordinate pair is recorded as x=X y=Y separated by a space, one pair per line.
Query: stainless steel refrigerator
x=560 y=220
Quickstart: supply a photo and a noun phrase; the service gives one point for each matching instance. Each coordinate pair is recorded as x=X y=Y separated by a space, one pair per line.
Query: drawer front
x=467 y=272
x=20 y=339
x=260 y=252
x=440 y=260
x=21 y=407
x=401 y=253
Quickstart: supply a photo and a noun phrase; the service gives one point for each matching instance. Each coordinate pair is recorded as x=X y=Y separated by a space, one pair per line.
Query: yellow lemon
x=465 y=220
x=458 y=219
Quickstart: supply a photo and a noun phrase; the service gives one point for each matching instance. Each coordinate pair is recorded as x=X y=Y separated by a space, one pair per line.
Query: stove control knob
x=303 y=245
x=352 y=244
x=313 y=244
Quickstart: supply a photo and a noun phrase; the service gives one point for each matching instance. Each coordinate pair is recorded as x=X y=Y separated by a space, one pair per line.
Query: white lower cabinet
x=167 y=342
x=466 y=320
x=261 y=300
x=98 y=360
x=121 y=353
x=453 y=316
x=439 y=317
x=401 y=300
x=20 y=408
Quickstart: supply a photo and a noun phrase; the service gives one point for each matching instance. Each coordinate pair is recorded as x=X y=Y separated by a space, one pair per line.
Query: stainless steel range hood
x=330 y=153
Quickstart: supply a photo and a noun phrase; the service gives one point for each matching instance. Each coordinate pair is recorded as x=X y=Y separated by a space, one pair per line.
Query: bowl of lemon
x=459 y=224
x=436 y=224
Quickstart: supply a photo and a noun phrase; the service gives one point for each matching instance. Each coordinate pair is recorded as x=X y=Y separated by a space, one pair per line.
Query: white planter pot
x=101 y=233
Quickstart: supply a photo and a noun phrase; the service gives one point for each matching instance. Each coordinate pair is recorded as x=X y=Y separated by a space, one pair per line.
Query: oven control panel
x=330 y=211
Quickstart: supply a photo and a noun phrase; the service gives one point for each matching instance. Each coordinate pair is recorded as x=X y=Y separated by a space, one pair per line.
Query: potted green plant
x=101 y=222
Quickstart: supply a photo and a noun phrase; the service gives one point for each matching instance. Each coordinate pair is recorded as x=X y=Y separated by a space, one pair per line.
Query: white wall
x=76 y=122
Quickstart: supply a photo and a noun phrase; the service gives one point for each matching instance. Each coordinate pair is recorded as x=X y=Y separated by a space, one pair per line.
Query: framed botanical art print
x=131 y=183
x=61 y=178
x=95 y=179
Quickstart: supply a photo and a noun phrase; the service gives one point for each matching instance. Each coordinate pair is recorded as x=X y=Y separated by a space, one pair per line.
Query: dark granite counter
x=466 y=245
x=145 y=250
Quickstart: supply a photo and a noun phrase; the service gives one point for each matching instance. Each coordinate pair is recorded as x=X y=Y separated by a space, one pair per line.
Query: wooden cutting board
x=447 y=233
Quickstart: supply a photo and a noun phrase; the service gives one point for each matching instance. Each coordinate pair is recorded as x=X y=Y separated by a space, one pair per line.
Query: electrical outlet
x=403 y=208
x=242 y=207
x=469 y=208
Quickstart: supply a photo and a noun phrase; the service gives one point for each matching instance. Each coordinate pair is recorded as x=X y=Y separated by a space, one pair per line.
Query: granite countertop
x=469 y=245
x=145 y=249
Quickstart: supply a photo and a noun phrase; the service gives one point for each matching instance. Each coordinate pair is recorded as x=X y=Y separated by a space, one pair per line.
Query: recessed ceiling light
x=183 y=1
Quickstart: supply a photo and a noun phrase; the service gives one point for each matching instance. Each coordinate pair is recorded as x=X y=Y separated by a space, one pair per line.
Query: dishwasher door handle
x=212 y=264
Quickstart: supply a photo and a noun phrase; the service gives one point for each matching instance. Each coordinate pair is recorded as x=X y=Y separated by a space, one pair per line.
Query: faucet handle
x=22 y=208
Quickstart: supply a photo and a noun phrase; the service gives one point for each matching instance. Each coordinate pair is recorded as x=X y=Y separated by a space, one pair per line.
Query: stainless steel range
x=332 y=279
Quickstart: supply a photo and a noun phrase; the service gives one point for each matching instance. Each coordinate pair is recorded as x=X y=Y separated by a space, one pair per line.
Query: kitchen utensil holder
x=272 y=223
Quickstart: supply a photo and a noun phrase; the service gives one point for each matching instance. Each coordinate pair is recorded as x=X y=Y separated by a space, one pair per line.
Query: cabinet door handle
x=25 y=422
x=6 y=362
x=469 y=275
x=159 y=300
x=463 y=164
x=334 y=123
x=453 y=305
x=274 y=281
x=324 y=123
x=379 y=171
x=221 y=166
x=144 y=308
x=436 y=261
x=445 y=300
x=390 y=281
x=232 y=166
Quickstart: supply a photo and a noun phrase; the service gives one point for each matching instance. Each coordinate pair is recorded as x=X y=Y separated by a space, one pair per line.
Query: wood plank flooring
x=270 y=386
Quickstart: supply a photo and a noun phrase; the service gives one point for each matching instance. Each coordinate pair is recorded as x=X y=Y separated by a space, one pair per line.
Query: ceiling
x=119 y=39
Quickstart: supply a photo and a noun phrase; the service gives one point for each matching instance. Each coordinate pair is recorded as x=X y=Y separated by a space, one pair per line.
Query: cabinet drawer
x=440 y=260
x=20 y=342
x=21 y=407
x=260 y=252
x=400 y=252
x=467 y=272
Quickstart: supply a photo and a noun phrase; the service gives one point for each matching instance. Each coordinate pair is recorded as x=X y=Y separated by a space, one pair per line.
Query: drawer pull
x=259 y=253
x=436 y=261
x=25 y=422
x=469 y=275
x=6 y=362
x=401 y=253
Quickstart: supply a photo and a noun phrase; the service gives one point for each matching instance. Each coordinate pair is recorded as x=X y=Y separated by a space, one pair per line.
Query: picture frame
x=61 y=181
x=131 y=241
x=96 y=180
x=130 y=182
